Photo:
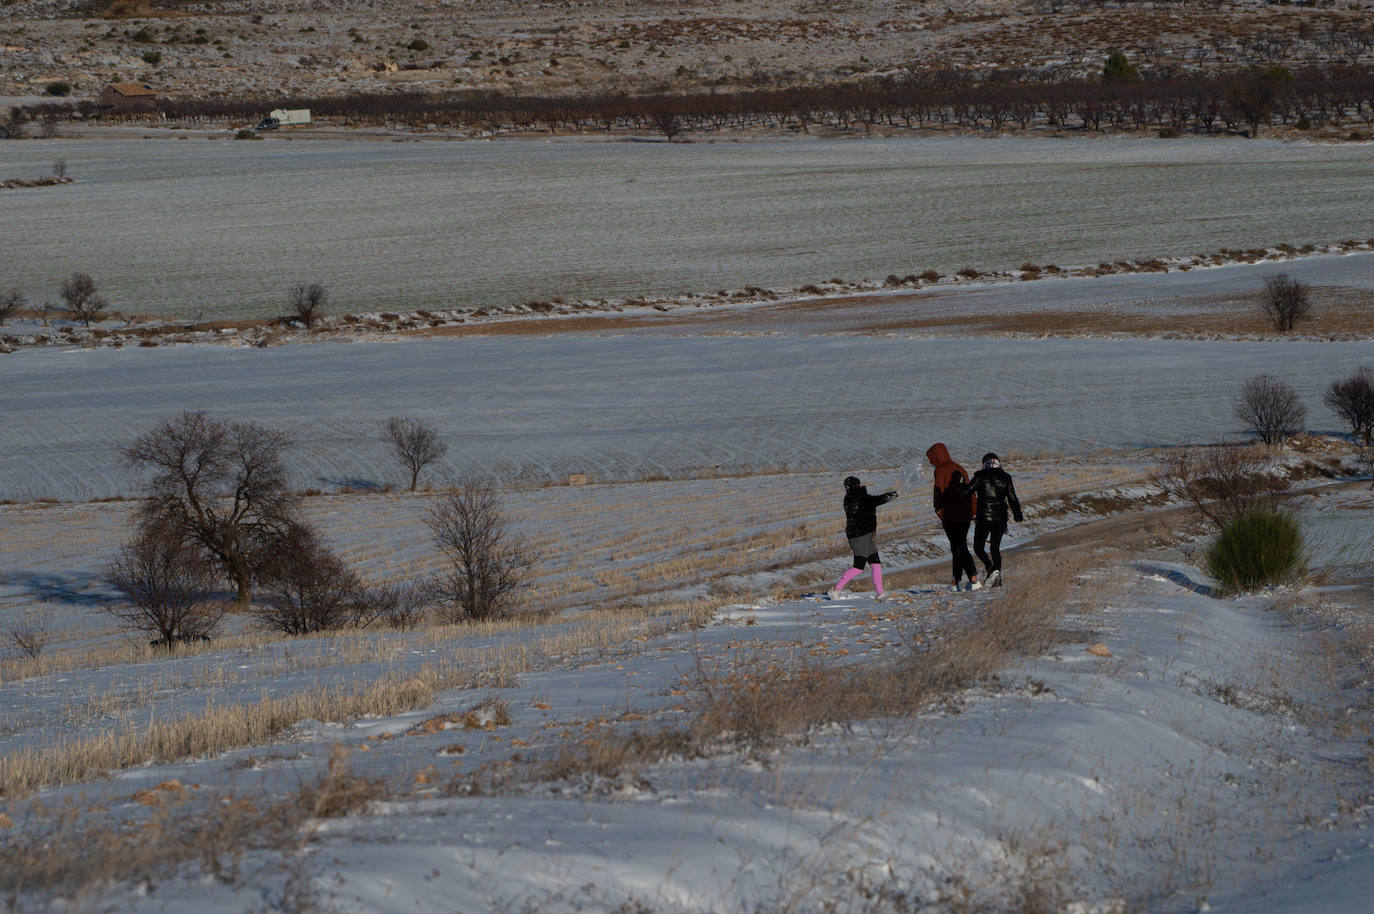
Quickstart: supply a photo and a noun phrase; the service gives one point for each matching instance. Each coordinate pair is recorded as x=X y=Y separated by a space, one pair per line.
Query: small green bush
x=1256 y=548
x=58 y=87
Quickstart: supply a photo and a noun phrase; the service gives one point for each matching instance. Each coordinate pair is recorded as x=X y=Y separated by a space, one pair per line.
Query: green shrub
x=58 y=87
x=1256 y=548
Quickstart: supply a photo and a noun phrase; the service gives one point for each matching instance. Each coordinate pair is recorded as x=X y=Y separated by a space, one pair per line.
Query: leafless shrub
x=400 y=606
x=167 y=581
x=306 y=587
x=29 y=639
x=308 y=301
x=82 y=299
x=486 y=566
x=223 y=484
x=1220 y=482
x=1285 y=301
x=1270 y=408
x=11 y=302
x=59 y=168
x=415 y=443
x=1352 y=399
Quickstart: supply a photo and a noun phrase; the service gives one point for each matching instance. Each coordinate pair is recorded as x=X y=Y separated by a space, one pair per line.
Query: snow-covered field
x=531 y=410
x=1212 y=755
x=207 y=227
x=1200 y=765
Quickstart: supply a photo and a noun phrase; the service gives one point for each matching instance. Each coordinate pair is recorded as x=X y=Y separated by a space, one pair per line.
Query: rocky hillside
x=312 y=47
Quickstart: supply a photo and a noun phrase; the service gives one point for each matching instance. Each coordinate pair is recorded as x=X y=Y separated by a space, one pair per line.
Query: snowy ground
x=1204 y=764
x=1215 y=757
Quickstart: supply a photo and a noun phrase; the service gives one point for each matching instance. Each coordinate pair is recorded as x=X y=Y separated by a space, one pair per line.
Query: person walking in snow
x=996 y=495
x=860 y=525
x=954 y=505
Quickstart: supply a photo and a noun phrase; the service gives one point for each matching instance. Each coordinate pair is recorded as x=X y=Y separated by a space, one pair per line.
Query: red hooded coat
x=950 y=506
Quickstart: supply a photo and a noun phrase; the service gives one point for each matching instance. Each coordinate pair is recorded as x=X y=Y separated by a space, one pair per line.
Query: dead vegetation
x=762 y=696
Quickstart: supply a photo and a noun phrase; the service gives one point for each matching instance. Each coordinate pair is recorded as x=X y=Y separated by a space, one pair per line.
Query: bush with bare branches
x=306 y=587
x=11 y=303
x=1285 y=301
x=29 y=639
x=308 y=301
x=485 y=565
x=1270 y=409
x=168 y=582
x=415 y=443
x=1352 y=399
x=1221 y=482
x=223 y=484
x=83 y=301
x=399 y=606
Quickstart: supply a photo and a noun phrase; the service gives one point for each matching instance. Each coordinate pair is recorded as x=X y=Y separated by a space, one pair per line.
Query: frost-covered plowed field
x=212 y=228
x=534 y=410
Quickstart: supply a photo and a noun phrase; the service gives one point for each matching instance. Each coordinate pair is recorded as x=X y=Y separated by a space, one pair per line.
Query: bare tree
x=10 y=303
x=668 y=123
x=167 y=581
x=223 y=485
x=1220 y=482
x=1285 y=301
x=306 y=587
x=415 y=443
x=59 y=169
x=308 y=301
x=82 y=299
x=485 y=565
x=1270 y=408
x=1352 y=399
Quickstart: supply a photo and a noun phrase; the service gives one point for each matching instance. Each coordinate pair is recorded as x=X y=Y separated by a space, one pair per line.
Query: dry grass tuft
x=341 y=792
x=217 y=730
x=762 y=697
x=66 y=857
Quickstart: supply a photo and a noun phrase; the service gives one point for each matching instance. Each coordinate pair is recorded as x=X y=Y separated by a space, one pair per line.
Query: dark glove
x=1020 y=519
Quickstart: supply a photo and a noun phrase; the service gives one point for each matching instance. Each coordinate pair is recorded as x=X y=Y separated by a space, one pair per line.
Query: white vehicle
x=284 y=117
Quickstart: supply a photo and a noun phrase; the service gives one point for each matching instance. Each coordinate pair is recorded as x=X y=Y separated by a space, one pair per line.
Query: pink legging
x=853 y=573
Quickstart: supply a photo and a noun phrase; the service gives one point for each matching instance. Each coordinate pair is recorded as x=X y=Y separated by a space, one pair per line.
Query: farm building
x=118 y=97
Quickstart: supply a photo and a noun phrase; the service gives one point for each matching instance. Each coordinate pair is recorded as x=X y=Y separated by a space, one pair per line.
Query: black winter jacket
x=861 y=511
x=995 y=494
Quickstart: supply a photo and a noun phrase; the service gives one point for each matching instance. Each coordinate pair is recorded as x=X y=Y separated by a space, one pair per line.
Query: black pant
x=982 y=530
x=957 y=531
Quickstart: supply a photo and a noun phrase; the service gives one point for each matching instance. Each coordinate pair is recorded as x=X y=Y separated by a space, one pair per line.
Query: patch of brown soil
x=543 y=326
x=1340 y=319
